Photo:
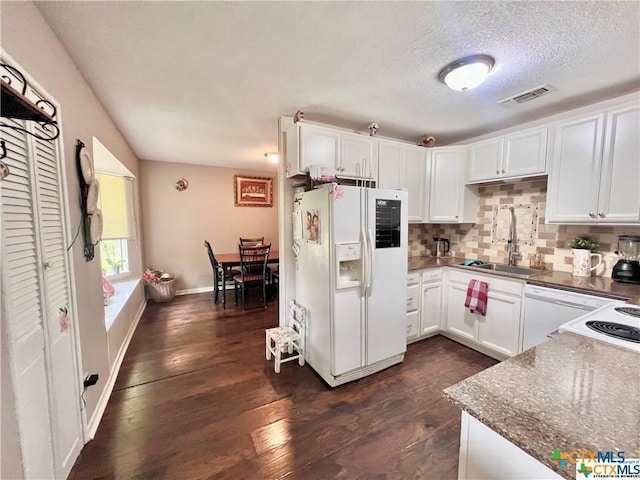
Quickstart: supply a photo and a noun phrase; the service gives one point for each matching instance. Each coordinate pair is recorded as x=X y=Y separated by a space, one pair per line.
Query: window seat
x=124 y=290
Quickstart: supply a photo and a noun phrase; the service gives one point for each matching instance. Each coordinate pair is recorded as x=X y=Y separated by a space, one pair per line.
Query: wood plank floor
x=195 y=398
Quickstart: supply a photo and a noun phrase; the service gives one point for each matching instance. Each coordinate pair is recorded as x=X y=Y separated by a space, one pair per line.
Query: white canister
x=583 y=261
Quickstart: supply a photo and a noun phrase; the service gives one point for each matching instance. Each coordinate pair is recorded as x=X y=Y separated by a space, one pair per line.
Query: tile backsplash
x=485 y=240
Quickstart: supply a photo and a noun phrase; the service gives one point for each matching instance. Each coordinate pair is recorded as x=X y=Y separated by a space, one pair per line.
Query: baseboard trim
x=92 y=427
x=189 y=291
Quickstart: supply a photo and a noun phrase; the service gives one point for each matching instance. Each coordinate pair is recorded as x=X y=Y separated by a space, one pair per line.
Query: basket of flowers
x=160 y=285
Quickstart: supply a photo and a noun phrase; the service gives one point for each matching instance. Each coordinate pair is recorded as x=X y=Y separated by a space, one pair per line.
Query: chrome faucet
x=511 y=239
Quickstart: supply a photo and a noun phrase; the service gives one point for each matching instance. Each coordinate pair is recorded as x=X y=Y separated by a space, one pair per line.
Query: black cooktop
x=616 y=330
x=633 y=311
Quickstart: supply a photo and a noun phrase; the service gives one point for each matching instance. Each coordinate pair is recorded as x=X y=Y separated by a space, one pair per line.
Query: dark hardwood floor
x=195 y=398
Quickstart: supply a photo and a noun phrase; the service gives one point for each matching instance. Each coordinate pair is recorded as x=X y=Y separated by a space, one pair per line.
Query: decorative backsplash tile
x=484 y=240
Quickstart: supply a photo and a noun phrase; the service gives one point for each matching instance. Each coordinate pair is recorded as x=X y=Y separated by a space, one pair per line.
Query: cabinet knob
x=601 y=214
x=497 y=172
x=47 y=265
x=456 y=216
x=592 y=215
x=504 y=171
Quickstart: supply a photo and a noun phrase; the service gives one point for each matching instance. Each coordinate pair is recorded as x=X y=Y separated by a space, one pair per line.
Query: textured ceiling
x=204 y=82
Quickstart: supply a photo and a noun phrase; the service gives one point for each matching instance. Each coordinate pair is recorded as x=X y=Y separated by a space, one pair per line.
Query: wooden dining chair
x=253 y=270
x=251 y=241
x=218 y=280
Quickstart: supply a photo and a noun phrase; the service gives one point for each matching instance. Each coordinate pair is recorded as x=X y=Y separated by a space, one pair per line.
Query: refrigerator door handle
x=363 y=284
x=369 y=261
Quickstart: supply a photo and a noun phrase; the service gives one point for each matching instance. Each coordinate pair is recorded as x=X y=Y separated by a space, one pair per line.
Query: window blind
x=116 y=203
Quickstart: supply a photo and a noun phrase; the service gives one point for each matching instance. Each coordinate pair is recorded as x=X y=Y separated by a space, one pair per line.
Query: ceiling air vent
x=527 y=96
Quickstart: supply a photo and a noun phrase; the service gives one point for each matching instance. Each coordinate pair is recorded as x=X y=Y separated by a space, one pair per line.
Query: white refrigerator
x=351 y=278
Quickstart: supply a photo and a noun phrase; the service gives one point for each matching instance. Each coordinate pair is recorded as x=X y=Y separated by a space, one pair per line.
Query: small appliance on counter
x=441 y=247
x=627 y=269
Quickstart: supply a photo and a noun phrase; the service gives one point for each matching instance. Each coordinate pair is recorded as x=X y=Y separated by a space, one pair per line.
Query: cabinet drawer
x=432 y=275
x=413 y=298
x=412 y=324
x=413 y=278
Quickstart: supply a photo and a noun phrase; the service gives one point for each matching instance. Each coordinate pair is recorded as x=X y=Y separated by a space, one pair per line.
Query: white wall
x=29 y=41
x=175 y=224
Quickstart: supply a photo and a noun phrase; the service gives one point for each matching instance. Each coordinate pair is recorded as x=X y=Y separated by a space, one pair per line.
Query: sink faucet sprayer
x=511 y=239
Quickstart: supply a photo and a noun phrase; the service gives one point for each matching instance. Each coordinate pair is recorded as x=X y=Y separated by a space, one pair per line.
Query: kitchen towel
x=477 y=295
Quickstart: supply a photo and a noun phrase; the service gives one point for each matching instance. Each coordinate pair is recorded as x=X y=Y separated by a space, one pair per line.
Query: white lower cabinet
x=498 y=332
x=500 y=329
x=459 y=320
x=413 y=305
x=431 y=302
x=486 y=455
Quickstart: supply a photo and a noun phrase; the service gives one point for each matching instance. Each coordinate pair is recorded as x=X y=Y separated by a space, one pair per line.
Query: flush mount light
x=466 y=73
x=272 y=157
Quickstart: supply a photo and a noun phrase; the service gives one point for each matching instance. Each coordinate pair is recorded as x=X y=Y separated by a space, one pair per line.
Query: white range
x=615 y=324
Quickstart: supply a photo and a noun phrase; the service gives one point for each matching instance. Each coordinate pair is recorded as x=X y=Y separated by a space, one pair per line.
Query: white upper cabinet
x=517 y=155
x=404 y=166
x=318 y=146
x=485 y=160
x=359 y=153
x=391 y=164
x=619 y=199
x=349 y=154
x=450 y=200
x=415 y=166
x=595 y=172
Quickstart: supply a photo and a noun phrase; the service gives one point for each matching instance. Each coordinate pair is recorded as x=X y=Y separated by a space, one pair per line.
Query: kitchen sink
x=498 y=267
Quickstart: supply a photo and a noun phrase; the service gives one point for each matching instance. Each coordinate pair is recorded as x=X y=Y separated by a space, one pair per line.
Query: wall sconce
x=272 y=157
x=466 y=73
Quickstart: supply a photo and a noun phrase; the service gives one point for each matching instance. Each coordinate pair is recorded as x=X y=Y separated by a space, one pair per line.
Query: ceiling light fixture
x=466 y=73
x=272 y=157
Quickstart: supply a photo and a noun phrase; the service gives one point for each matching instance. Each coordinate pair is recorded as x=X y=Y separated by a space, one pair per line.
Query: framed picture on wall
x=253 y=191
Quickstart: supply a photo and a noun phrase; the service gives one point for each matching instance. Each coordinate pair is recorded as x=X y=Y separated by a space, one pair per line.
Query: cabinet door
x=459 y=320
x=499 y=330
x=575 y=171
x=525 y=153
x=359 y=152
x=390 y=164
x=431 y=314
x=485 y=161
x=414 y=181
x=619 y=200
x=445 y=185
x=318 y=146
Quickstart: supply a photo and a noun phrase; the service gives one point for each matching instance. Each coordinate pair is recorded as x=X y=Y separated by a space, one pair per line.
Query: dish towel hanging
x=477 y=295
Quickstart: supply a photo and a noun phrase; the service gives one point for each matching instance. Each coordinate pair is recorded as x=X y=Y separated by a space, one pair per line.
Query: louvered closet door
x=36 y=286
x=23 y=306
x=64 y=391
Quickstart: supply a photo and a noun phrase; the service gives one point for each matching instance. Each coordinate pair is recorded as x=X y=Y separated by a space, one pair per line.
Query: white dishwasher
x=545 y=309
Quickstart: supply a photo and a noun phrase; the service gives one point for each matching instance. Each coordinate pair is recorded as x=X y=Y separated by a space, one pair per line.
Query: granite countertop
x=603 y=286
x=570 y=393
x=420 y=263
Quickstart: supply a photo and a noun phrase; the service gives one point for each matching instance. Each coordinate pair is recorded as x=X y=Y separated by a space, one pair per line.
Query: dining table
x=230 y=260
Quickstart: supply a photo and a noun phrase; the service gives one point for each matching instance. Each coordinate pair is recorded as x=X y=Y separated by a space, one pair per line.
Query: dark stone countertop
x=570 y=393
x=603 y=286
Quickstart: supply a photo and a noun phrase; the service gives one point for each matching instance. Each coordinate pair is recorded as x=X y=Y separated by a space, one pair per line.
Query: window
x=117 y=205
x=118 y=226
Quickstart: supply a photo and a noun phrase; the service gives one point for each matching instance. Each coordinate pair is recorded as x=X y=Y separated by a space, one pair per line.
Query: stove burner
x=616 y=330
x=634 y=311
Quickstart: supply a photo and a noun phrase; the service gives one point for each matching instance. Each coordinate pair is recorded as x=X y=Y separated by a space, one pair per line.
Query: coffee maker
x=627 y=269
